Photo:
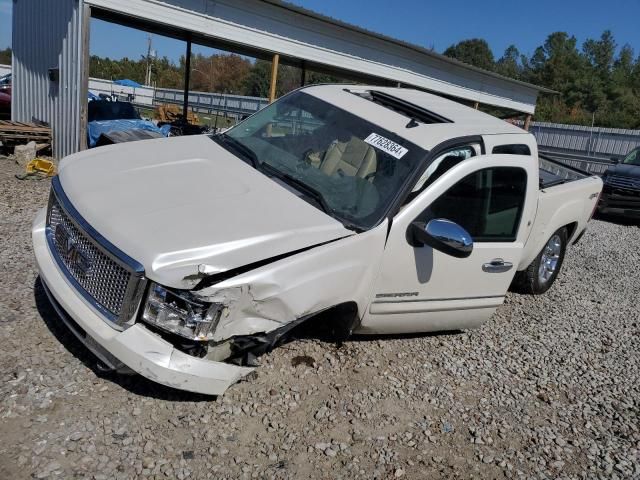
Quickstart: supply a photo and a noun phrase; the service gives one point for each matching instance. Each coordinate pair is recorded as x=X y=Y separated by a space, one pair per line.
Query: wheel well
x=336 y=323
x=333 y=324
x=571 y=229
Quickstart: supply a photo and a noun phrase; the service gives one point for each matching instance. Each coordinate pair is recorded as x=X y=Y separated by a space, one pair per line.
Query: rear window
x=512 y=149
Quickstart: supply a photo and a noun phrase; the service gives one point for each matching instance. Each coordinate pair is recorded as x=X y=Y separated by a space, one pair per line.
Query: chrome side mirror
x=443 y=235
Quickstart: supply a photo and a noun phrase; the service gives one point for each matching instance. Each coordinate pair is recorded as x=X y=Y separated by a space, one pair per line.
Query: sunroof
x=408 y=109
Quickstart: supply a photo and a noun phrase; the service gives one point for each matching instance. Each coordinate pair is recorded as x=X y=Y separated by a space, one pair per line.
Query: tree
x=219 y=73
x=257 y=82
x=474 y=52
x=511 y=64
x=601 y=53
x=5 y=56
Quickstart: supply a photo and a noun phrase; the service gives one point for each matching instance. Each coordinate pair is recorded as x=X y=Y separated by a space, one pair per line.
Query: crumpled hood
x=184 y=206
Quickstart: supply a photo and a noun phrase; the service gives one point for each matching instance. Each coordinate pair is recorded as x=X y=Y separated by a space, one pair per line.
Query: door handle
x=497 y=265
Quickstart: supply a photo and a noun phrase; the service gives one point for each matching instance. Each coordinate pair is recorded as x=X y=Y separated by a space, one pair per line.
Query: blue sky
x=430 y=23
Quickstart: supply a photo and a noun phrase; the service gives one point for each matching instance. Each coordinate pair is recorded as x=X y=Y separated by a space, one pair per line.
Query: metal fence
x=205 y=102
x=595 y=142
x=200 y=102
x=587 y=148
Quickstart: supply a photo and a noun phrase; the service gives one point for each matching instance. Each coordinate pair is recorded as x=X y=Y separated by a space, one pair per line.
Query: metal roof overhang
x=260 y=28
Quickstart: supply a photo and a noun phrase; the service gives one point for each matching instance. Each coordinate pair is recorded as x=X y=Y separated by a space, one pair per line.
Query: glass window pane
x=441 y=164
x=330 y=151
x=514 y=149
x=633 y=158
x=488 y=204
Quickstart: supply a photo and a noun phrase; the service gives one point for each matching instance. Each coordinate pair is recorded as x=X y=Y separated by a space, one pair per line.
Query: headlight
x=181 y=313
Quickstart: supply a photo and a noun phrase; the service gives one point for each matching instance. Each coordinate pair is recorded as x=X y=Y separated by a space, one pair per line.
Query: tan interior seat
x=354 y=158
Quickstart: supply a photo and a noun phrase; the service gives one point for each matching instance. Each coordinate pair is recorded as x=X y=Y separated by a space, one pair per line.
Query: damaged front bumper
x=136 y=347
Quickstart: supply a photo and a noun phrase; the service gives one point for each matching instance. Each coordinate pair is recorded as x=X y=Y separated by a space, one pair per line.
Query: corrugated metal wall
x=48 y=34
x=596 y=142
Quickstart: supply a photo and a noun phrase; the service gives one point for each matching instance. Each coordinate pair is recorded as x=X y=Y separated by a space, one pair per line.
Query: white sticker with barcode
x=386 y=145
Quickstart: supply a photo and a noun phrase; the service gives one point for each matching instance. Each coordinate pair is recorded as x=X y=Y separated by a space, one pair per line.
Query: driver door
x=420 y=288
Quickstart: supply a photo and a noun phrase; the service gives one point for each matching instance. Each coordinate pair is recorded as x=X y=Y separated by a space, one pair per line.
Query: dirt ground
x=548 y=388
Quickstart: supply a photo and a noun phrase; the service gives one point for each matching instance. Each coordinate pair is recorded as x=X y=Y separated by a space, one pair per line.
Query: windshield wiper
x=240 y=147
x=299 y=185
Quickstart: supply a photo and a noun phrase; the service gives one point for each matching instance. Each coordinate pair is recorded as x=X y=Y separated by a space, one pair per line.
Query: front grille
x=623 y=182
x=112 y=285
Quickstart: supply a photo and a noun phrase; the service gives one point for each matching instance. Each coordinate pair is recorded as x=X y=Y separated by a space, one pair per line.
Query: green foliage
x=216 y=73
x=597 y=83
x=5 y=56
x=474 y=52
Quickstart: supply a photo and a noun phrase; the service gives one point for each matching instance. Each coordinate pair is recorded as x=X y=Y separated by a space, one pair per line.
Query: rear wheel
x=543 y=271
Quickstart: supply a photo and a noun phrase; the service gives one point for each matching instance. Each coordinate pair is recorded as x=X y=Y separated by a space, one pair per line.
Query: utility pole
x=147 y=77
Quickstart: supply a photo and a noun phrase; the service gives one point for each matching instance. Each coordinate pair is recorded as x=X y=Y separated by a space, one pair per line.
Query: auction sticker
x=386 y=145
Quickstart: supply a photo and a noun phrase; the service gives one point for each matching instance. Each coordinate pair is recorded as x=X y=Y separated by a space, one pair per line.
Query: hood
x=629 y=171
x=184 y=206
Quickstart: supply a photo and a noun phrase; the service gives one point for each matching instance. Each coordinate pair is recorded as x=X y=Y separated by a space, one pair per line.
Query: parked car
x=5 y=106
x=621 y=192
x=388 y=210
x=116 y=122
x=5 y=97
x=5 y=84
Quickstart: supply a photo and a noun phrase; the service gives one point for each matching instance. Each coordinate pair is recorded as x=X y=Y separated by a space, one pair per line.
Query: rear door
x=422 y=289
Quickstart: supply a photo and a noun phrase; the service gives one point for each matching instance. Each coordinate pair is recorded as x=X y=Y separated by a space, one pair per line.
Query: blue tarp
x=125 y=82
x=98 y=127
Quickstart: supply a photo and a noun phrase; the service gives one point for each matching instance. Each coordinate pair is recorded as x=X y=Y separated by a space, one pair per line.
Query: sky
x=430 y=23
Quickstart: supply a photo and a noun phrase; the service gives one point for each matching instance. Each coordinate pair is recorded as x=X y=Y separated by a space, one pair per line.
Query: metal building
x=51 y=43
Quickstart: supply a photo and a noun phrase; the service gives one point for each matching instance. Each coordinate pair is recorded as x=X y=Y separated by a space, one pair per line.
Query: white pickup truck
x=385 y=210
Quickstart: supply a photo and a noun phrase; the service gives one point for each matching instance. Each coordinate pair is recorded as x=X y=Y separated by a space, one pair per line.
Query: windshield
x=351 y=168
x=632 y=158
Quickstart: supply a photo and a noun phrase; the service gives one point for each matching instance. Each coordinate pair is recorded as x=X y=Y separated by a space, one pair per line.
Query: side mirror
x=443 y=235
x=615 y=160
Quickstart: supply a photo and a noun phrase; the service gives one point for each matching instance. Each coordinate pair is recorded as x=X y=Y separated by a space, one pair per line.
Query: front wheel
x=543 y=271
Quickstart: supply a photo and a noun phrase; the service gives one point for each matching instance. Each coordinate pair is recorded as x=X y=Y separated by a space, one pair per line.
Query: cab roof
x=450 y=119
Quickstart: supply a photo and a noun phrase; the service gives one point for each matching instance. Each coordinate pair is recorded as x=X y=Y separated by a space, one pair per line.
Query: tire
x=543 y=271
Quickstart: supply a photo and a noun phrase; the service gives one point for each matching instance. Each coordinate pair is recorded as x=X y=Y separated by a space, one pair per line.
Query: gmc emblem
x=77 y=260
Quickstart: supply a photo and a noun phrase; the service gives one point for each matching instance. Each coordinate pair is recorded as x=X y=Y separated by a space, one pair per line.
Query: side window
x=513 y=149
x=633 y=158
x=488 y=204
x=444 y=162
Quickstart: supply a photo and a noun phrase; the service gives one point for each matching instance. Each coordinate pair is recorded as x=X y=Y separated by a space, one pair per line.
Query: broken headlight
x=181 y=313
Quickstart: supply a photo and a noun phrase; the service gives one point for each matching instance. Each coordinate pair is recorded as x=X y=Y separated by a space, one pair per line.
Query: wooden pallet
x=15 y=133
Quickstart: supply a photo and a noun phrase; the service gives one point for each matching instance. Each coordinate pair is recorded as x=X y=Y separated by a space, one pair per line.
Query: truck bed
x=553 y=172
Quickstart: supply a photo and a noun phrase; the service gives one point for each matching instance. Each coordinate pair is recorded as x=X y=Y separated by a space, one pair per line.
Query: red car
x=5 y=106
x=5 y=96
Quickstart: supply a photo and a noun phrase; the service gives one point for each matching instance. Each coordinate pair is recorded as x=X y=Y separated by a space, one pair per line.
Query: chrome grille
x=623 y=182
x=108 y=282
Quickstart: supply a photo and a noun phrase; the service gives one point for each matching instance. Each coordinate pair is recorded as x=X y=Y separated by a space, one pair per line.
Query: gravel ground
x=548 y=388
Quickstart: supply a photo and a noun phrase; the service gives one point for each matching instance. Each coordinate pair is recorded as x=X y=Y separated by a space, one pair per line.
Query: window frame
x=518 y=222
x=402 y=199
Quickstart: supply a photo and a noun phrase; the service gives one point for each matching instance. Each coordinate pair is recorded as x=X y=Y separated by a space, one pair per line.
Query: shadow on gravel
x=618 y=220
x=135 y=384
x=329 y=328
